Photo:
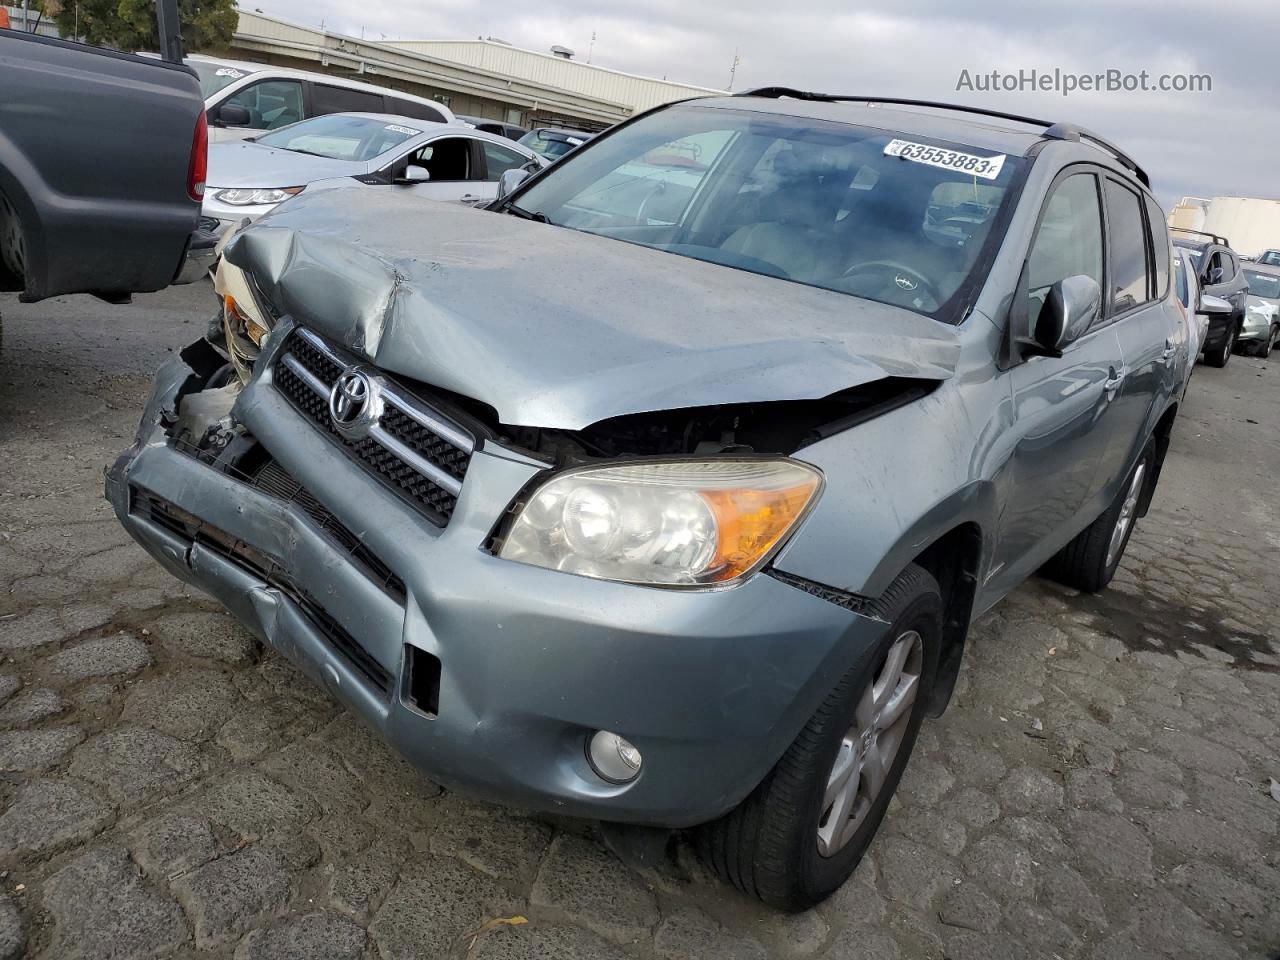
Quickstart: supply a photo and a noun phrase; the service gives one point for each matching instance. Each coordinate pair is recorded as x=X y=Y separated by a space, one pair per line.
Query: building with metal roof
x=484 y=78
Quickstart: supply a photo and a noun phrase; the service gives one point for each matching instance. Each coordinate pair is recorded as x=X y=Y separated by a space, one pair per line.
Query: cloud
x=1207 y=144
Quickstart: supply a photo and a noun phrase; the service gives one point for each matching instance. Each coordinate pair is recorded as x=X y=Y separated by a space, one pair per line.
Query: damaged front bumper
x=486 y=674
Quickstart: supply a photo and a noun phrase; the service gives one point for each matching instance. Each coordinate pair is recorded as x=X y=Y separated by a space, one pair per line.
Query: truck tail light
x=199 y=164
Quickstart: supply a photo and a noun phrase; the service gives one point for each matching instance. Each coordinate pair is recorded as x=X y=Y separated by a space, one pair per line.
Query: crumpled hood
x=253 y=165
x=560 y=329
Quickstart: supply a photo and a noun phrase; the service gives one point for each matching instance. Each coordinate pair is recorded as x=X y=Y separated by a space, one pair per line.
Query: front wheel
x=1220 y=356
x=799 y=835
x=1264 y=351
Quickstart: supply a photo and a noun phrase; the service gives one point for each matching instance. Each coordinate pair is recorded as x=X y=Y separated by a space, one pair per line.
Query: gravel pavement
x=1097 y=790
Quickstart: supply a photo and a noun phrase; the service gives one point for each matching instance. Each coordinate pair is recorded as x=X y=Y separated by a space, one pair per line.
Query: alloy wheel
x=1128 y=513
x=868 y=751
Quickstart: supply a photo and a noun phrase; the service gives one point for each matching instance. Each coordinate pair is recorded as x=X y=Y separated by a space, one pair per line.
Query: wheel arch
x=1160 y=437
x=955 y=561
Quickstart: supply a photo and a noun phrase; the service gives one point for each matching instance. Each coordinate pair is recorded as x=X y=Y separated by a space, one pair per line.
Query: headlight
x=243 y=197
x=677 y=523
x=244 y=320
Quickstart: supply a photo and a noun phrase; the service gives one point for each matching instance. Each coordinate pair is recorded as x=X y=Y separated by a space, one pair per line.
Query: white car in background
x=248 y=178
x=1187 y=283
x=242 y=98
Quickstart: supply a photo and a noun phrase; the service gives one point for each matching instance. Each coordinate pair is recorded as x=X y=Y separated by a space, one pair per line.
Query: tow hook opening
x=422 y=680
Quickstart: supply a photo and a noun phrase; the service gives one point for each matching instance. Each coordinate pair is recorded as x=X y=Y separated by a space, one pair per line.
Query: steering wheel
x=659 y=187
x=893 y=282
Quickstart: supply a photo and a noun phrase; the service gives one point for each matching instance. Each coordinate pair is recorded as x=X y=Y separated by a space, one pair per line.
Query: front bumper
x=711 y=686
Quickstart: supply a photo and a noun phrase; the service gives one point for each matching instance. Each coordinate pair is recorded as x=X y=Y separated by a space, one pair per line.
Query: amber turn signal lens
x=751 y=522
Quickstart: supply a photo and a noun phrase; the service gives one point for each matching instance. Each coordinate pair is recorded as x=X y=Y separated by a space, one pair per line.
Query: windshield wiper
x=309 y=153
x=524 y=214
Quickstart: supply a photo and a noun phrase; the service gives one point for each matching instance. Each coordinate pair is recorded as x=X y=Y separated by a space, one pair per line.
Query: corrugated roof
x=638 y=92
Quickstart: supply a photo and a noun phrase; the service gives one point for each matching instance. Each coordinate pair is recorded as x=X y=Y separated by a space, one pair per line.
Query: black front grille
x=194 y=530
x=434 y=500
x=275 y=480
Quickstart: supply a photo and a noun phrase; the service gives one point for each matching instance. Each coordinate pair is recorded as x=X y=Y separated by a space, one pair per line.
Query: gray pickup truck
x=102 y=160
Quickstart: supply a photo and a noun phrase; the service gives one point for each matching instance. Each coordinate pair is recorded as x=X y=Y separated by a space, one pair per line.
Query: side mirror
x=414 y=174
x=1213 y=306
x=1069 y=310
x=230 y=115
x=508 y=180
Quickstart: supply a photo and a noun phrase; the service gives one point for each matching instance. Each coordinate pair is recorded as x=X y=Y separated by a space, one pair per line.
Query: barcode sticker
x=986 y=167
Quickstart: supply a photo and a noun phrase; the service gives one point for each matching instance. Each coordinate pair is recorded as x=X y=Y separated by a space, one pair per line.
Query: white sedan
x=443 y=161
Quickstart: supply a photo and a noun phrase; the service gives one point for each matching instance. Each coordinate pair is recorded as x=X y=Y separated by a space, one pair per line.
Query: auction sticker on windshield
x=986 y=167
x=405 y=130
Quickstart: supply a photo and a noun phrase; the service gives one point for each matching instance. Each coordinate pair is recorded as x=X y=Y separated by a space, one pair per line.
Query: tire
x=1264 y=351
x=1220 y=356
x=768 y=846
x=1090 y=560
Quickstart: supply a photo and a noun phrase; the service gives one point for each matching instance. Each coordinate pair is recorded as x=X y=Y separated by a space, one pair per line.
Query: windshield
x=851 y=209
x=1196 y=254
x=1180 y=282
x=340 y=136
x=1264 y=285
x=1271 y=258
x=215 y=76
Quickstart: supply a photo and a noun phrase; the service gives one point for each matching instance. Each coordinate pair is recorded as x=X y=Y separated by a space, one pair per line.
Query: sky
x=1222 y=142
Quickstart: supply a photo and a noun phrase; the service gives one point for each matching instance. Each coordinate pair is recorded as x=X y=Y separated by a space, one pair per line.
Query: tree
x=131 y=24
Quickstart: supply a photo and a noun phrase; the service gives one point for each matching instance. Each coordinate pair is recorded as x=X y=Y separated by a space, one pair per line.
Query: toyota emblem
x=354 y=403
x=906 y=283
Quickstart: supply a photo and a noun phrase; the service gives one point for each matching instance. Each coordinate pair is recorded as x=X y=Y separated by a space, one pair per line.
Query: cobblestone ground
x=1098 y=790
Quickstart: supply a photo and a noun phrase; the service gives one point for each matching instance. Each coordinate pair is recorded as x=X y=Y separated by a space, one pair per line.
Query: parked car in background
x=1187 y=285
x=509 y=130
x=241 y=98
x=629 y=547
x=86 y=205
x=413 y=157
x=1261 y=329
x=1220 y=275
x=554 y=142
x=1269 y=258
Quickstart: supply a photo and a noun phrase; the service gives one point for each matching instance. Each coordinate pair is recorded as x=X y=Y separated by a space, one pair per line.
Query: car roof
x=976 y=130
x=336 y=81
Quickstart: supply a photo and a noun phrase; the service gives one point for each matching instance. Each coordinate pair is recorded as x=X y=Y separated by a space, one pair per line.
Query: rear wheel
x=799 y=835
x=1089 y=561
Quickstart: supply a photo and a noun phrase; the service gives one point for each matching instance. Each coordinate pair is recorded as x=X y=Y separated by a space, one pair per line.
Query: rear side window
x=412 y=108
x=327 y=99
x=1068 y=241
x=1128 y=248
x=271 y=103
x=1159 y=248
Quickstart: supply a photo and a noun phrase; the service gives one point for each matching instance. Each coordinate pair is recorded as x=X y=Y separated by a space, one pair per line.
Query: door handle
x=1169 y=351
x=1113 y=381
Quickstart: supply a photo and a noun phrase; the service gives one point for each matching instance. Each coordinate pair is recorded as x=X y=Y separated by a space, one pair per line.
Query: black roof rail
x=1069 y=131
x=1052 y=131
x=1200 y=233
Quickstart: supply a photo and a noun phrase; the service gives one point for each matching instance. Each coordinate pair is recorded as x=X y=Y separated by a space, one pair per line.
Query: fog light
x=612 y=757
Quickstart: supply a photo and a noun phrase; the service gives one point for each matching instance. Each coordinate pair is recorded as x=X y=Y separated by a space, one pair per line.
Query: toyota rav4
x=664 y=491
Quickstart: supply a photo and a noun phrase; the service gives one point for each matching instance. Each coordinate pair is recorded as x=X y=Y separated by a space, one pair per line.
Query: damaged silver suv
x=664 y=491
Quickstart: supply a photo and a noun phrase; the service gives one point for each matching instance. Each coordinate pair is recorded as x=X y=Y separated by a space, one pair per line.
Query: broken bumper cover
x=524 y=663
